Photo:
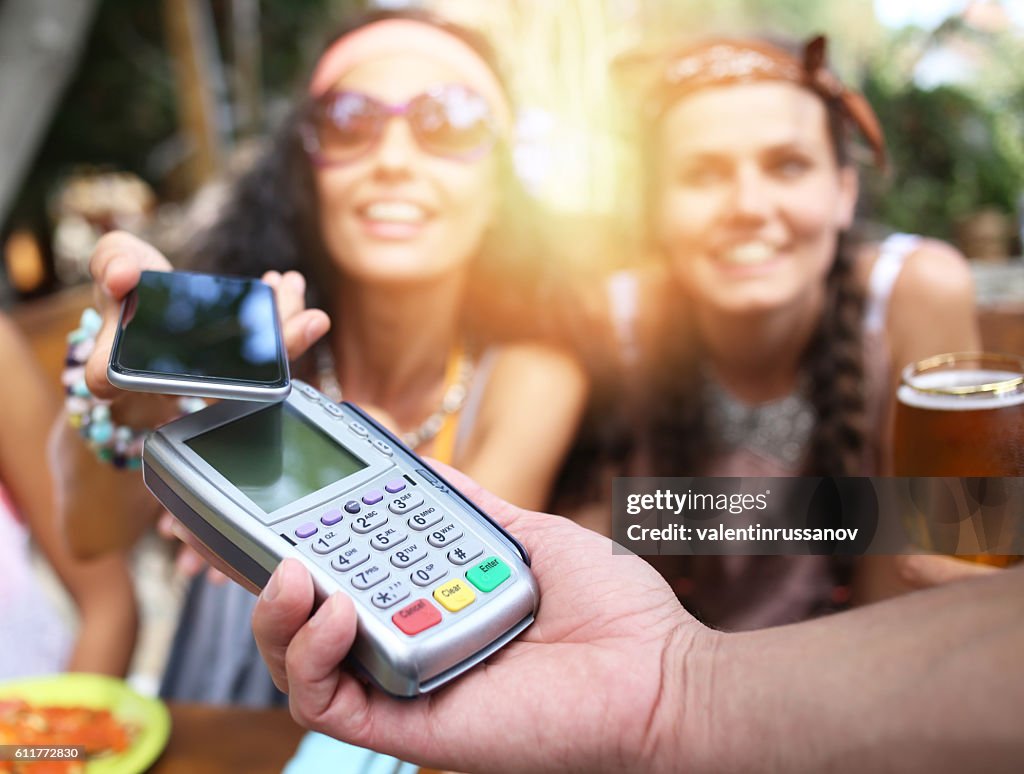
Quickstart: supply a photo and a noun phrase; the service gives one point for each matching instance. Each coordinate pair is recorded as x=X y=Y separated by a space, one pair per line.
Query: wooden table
x=207 y=739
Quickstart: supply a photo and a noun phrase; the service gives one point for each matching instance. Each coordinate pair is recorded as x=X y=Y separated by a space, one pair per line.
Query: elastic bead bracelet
x=119 y=445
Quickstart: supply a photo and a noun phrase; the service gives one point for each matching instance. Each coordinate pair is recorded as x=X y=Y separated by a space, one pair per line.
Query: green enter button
x=489 y=574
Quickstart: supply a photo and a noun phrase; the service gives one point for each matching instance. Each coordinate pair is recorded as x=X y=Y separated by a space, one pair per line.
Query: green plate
x=149 y=716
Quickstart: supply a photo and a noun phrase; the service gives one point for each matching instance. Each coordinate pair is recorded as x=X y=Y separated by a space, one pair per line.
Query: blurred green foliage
x=946 y=155
x=954 y=148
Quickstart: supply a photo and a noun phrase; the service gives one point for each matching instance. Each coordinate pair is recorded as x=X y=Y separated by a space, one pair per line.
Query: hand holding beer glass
x=962 y=415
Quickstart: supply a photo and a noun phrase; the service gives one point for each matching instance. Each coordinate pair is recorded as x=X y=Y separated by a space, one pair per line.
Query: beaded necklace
x=457 y=378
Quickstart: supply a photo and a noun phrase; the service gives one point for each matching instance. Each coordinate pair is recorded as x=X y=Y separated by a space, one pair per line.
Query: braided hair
x=834 y=362
x=675 y=436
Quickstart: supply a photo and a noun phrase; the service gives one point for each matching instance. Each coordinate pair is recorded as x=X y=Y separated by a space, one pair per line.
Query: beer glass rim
x=994 y=359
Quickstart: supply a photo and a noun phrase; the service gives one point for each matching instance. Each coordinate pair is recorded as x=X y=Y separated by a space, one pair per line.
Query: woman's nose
x=751 y=197
x=397 y=149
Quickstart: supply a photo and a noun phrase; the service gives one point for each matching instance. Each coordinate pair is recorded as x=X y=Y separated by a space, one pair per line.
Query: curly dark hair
x=271 y=221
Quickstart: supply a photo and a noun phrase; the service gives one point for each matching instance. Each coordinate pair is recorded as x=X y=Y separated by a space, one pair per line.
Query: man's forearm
x=928 y=682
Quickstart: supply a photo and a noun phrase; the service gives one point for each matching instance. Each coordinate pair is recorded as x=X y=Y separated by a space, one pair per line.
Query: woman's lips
x=395 y=212
x=392 y=219
x=754 y=253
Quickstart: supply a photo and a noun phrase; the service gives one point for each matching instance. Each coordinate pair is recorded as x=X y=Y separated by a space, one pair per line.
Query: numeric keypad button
x=387 y=538
x=429 y=573
x=408 y=555
x=369 y=521
x=443 y=534
x=406 y=502
x=389 y=595
x=369 y=577
x=465 y=552
x=351 y=557
x=330 y=541
x=425 y=518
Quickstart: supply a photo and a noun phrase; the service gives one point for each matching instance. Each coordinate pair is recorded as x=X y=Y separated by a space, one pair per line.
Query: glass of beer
x=962 y=415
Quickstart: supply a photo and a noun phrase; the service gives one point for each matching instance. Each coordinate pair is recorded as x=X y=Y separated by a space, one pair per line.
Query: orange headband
x=391 y=37
x=723 y=62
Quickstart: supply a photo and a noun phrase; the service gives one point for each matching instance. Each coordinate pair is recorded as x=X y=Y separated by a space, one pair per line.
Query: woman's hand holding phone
x=301 y=327
x=116 y=266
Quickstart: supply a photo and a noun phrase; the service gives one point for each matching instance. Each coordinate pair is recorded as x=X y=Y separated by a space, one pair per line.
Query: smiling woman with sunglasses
x=387 y=200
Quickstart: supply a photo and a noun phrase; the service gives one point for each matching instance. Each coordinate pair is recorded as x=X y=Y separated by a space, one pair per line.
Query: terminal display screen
x=275 y=456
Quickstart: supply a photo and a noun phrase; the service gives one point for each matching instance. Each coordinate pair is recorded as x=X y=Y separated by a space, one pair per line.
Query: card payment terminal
x=438 y=586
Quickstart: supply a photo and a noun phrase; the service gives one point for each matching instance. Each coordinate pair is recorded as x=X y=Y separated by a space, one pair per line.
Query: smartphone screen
x=199 y=329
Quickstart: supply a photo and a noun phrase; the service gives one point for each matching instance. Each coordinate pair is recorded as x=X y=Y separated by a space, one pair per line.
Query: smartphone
x=187 y=333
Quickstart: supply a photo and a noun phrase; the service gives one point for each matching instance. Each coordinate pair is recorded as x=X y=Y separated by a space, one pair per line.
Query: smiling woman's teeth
x=749 y=253
x=395 y=212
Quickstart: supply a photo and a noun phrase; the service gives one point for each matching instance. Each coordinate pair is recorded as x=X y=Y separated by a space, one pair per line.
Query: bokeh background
x=132 y=115
x=119 y=114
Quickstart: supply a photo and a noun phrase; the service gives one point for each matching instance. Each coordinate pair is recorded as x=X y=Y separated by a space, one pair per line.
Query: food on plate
x=28 y=725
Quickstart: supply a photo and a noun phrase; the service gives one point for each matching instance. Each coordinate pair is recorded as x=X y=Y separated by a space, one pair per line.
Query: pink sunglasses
x=450 y=121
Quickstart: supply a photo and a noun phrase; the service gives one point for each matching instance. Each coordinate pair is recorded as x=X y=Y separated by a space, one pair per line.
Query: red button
x=414 y=618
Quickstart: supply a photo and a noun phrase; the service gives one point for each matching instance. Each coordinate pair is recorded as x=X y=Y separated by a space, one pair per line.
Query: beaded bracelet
x=119 y=445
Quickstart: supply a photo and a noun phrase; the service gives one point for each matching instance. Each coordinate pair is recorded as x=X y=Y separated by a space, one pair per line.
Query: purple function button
x=331 y=517
x=306 y=530
x=394 y=486
x=352 y=506
x=373 y=497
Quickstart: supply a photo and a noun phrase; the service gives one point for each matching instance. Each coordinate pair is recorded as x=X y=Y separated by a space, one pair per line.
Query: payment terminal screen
x=275 y=456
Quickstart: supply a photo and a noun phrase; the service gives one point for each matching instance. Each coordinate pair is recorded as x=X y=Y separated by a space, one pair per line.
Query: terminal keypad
x=389 y=540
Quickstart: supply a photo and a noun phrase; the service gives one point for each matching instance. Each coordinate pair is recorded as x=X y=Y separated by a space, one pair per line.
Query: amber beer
x=961 y=415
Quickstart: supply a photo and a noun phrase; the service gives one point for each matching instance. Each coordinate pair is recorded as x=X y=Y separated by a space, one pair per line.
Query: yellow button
x=454 y=595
